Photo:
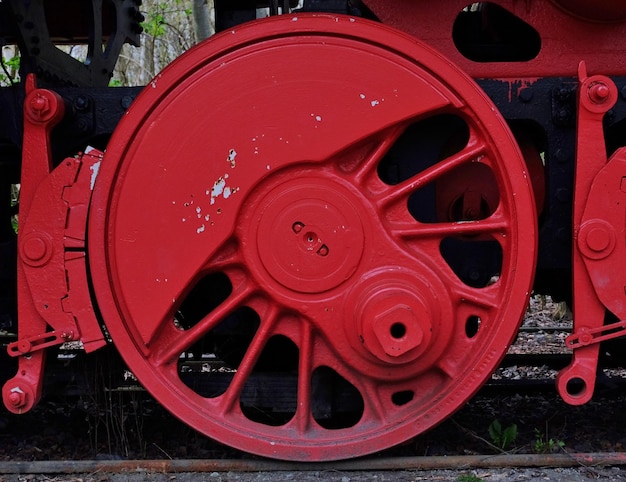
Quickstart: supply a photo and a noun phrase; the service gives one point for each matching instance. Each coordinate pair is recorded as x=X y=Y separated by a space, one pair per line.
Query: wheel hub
x=309 y=235
x=398 y=316
x=395 y=320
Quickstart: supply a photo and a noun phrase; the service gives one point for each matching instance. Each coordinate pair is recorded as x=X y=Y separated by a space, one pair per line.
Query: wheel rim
x=294 y=241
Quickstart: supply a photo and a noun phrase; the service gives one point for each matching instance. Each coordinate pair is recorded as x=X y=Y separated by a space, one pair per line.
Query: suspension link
x=598 y=222
x=54 y=304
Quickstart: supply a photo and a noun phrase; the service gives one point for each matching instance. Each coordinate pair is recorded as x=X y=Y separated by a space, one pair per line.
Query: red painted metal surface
x=42 y=110
x=566 y=39
x=596 y=96
x=601 y=228
x=53 y=295
x=602 y=11
x=56 y=223
x=255 y=156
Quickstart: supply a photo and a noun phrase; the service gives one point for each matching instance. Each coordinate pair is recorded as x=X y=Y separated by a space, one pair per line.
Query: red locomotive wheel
x=266 y=247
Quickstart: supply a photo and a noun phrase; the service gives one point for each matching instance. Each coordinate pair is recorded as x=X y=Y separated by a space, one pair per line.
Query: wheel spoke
x=225 y=260
x=365 y=171
x=225 y=257
x=173 y=348
x=246 y=367
x=305 y=371
x=484 y=298
x=401 y=191
x=415 y=230
x=374 y=408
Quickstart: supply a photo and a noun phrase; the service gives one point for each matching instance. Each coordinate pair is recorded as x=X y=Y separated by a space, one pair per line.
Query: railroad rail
x=598 y=459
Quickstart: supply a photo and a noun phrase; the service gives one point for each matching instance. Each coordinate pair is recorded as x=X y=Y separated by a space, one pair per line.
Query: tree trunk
x=201 y=19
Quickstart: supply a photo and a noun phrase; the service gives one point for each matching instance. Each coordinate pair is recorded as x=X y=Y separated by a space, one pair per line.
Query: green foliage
x=154 y=24
x=13 y=62
x=10 y=69
x=157 y=15
x=169 y=29
x=545 y=445
x=15 y=199
x=502 y=438
x=468 y=478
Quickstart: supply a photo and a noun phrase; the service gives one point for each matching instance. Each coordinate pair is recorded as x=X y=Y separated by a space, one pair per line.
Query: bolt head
x=599 y=93
x=39 y=104
x=17 y=397
x=598 y=239
x=42 y=106
x=35 y=248
x=398 y=330
x=81 y=103
x=526 y=95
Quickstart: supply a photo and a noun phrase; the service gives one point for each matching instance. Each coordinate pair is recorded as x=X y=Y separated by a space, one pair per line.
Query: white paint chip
x=218 y=187
x=95 y=169
x=232 y=155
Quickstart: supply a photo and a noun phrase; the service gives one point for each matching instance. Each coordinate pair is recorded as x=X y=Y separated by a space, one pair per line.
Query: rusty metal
x=294 y=217
x=449 y=462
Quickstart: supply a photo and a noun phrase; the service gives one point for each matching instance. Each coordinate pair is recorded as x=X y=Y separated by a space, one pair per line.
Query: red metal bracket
x=587 y=337
x=54 y=304
x=38 y=342
x=596 y=96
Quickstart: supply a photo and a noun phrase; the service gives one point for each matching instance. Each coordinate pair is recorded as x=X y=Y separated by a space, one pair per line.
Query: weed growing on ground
x=502 y=437
x=545 y=445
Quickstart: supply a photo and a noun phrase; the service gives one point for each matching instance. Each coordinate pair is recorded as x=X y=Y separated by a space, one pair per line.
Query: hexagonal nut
x=17 y=397
x=40 y=104
x=398 y=331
